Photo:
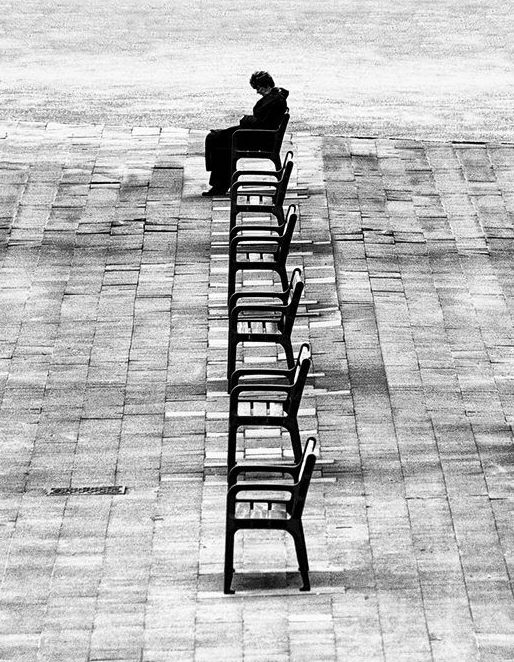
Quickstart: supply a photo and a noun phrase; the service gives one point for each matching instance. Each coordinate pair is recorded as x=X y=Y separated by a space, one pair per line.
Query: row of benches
x=259 y=397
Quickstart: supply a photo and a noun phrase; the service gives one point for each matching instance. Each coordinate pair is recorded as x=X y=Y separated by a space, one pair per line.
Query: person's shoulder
x=277 y=97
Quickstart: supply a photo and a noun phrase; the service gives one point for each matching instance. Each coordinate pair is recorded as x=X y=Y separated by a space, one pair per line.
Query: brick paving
x=112 y=372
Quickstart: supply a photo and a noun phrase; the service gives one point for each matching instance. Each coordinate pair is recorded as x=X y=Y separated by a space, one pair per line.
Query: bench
x=264 y=322
x=257 y=400
x=255 y=505
x=259 y=143
x=260 y=197
x=251 y=250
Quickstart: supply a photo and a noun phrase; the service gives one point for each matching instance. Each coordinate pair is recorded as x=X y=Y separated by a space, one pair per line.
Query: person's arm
x=268 y=112
x=248 y=122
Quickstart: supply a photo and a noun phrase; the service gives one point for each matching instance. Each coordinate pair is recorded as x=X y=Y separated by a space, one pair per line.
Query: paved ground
x=112 y=281
x=370 y=67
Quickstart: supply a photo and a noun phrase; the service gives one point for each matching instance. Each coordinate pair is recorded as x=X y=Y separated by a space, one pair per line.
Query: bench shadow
x=276 y=581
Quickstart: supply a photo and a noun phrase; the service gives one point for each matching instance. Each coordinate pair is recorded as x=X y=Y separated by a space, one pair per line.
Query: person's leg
x=211 y=142
x=218 y=144
x=220 y=171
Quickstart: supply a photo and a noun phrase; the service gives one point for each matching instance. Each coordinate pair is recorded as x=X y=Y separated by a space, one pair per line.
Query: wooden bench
x=265 y=322
x=261 y=248
x=259 y=143
x=269 y=505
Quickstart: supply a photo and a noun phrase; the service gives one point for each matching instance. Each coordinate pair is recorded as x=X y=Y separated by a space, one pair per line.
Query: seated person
x=267 y=114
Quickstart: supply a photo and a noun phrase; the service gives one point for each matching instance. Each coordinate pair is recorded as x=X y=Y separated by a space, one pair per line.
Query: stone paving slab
x=112 y=372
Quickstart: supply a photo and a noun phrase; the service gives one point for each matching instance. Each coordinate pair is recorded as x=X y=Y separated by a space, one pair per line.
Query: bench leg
x=301 y=554
x=296 y=442
x=279 y=215
x=288 y=349
x=233 y=215
x=284 y=278
x=231 y=358
x=229 y=562
x=232 y=272
x=231 y=446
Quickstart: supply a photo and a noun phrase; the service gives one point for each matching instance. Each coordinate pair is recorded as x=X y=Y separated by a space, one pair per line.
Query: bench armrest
x=236 y=241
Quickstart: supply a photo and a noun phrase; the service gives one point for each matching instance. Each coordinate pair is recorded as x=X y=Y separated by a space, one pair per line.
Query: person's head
x=262 y=82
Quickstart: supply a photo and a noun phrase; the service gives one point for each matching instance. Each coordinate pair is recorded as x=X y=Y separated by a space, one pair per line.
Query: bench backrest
x=282 y=129
x=287 y=235
x=287 y=158
x=301 y=370
x=283 y=182
x=295 y=293
x=297 y=503
x=271 y=138
x=263 y=143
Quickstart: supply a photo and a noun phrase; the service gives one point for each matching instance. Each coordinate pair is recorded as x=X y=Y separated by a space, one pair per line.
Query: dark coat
x=268 y=111
x=267 y=114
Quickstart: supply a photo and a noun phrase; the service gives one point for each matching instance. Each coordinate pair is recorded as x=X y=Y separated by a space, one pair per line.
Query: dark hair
x=261 y=79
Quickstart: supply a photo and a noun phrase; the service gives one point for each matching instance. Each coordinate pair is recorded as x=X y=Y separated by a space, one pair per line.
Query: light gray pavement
x=112 y=356
x=382 y=67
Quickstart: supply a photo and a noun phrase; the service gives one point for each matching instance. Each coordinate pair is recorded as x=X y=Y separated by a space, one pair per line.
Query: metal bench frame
x=282 y=315
x=259 y=386
x=260 y=197
x=259 y=143
x=296 y=492
x=270 y=251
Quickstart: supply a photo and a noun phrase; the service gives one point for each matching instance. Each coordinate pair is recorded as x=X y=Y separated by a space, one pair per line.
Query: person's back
x=267 y=114
x=268 y=111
